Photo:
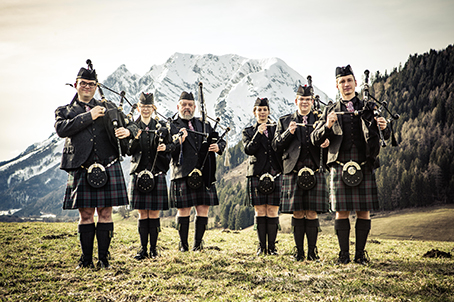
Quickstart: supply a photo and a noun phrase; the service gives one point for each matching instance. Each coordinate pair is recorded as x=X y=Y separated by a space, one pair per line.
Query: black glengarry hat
x=87 y=74
x=304 y=91
x=262 y=102
x=146 y=99
x=344 y=71
x=186 y=96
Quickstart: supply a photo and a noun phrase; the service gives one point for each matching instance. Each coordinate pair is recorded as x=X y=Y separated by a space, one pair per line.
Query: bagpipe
x=145 y=179
x=205 y=169
x=352 y=174
x=378 y=111
x=374 y=106
x=117 y=118
x=306 y=176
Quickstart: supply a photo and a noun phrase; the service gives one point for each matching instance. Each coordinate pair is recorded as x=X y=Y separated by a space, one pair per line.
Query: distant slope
x=432 y=223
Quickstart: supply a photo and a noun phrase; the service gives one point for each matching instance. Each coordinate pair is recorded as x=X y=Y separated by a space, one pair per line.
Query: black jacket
x=76 y=125
x=369 y=130
x=291 y=145
x=136 y=147
x=191 y=147
x=262 y=157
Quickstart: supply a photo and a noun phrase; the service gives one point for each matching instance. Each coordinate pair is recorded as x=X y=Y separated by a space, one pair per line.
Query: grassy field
x=38 y=263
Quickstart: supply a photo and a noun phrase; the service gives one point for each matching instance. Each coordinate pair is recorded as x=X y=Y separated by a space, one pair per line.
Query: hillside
x=38 y=264
x=420 y=170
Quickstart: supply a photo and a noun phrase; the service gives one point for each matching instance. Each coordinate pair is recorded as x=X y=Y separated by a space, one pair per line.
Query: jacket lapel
x=299 y=130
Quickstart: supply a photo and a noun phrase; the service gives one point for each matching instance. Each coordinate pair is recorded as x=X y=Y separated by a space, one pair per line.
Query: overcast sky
x=43 y=43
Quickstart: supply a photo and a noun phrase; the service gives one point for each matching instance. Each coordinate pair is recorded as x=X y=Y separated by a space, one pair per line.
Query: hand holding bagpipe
x=97 y=111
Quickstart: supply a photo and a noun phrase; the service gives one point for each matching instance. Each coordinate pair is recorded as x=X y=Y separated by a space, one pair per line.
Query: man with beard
x=90 y=147
x=185 y=154
x=353 y=132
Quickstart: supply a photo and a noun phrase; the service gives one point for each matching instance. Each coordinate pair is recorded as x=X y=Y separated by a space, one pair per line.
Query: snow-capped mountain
x=33 y=182
x=231 y=84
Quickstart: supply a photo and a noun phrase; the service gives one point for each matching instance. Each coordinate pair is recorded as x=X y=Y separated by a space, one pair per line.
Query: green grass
x=38 y=263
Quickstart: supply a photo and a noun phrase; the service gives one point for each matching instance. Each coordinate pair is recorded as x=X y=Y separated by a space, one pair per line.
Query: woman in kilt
x=303 y=199
x=263 y=160
x=148 y=151
x=355 y=144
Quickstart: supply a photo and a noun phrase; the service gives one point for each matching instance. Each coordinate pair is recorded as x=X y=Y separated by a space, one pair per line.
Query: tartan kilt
x=296 y=199
x=255 y=198
x=363 y=197
x=157 y=199
x=79 y=194
x=181 y=196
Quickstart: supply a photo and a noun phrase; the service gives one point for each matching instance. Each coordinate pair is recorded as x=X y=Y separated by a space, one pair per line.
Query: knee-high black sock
x=200 y=225
x=299 y=229
x=272 y=225
x=342 y=227
x=142 y=226
x=104 y=234
x=86 y=238
x=154 y=225
x=312 y=226
x=183 y=231
x=260 y=222
x=362 y=229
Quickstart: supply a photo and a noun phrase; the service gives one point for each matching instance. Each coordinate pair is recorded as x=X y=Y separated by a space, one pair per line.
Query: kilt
x=363 y=197
x=79 y=194
x=296 y=199
x=157 y=199
x=255 y=198
x=181 y=196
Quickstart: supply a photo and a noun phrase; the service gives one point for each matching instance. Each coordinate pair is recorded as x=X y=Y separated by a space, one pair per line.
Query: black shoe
x=272 y=252
x=344 y=258
x=261 y=251
x=198 y=246
x=312 y=254
x=141 y=254
x=183 y=247
x=103 y=264
x=85 y=263
x=153 y=253
x=299 y=254
x=361 y=257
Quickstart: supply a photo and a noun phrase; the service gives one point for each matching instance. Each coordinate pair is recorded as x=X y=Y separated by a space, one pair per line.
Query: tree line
x=418 y=172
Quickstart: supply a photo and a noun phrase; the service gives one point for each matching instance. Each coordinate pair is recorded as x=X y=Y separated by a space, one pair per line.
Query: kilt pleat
x=296 y=199
x=157 y=199
x=363 y=197
x=255 y=198
x=79 y=194
x=181 y=196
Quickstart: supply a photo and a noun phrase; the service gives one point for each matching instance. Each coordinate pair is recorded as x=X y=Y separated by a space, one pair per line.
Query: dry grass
x=38 y=263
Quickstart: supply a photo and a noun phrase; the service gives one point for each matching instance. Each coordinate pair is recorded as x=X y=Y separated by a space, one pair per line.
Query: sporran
x=266 y=184
x=306 y=179
x=145 y=181
x=352 y=175
x=195 y=180
x=97 y=176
